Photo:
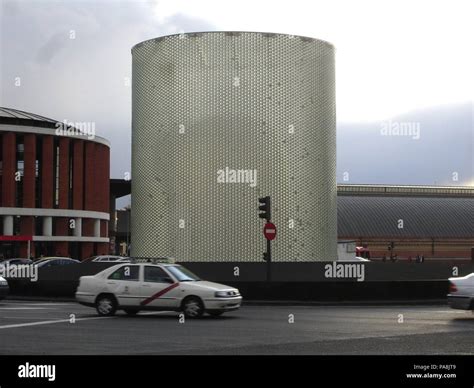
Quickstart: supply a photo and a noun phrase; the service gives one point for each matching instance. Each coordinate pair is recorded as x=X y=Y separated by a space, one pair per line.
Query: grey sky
x=73 y=59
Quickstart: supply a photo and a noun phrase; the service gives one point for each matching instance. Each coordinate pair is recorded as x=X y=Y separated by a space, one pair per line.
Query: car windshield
x=182 y=274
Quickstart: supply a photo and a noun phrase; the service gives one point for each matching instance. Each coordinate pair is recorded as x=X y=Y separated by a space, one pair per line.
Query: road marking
x=23 y=308
x=7 y=302
x=156 y=312
x=48 y=322
x=68 y=320
x=24 y=317
x=42 y=304
x=448 y=311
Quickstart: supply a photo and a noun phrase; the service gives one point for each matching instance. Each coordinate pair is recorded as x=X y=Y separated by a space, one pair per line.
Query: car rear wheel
x=106 y=305
x=215 y=313
x=193 y=308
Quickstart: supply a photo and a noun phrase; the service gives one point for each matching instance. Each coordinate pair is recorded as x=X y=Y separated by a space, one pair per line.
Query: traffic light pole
x=269 y=261
x=265 y=213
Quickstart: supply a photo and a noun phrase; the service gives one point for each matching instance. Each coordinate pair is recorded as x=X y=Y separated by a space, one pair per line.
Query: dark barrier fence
x=290 y=281
x=319 y=271
x=55 y=281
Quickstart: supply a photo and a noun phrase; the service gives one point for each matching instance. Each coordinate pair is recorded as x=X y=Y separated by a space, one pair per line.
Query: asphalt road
x=46 y=328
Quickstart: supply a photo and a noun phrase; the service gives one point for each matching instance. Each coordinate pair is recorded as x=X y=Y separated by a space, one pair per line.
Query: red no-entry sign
x=269 y=231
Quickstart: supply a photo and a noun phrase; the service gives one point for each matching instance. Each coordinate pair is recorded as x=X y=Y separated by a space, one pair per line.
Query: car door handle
x=111 y=283
x=146 y=285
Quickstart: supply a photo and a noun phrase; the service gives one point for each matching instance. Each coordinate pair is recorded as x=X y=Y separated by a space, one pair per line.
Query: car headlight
x=226 y=294
x=3 y=283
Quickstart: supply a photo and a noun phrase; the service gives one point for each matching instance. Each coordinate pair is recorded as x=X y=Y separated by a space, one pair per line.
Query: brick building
x=54 y=181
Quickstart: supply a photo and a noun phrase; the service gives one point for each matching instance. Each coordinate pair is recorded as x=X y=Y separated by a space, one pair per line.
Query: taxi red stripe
x=158 y=294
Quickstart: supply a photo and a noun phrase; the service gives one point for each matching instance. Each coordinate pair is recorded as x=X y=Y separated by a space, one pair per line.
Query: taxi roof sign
x=153 y=260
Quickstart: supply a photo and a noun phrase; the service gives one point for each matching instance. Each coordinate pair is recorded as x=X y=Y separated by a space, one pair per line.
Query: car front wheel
x=193 y=308
x=106 y=306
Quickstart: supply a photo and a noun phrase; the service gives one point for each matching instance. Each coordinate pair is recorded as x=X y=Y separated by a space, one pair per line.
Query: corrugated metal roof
x=405 y=190
x=365 y=216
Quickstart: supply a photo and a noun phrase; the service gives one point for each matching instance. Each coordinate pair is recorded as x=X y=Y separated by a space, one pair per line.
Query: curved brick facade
x=55 y=189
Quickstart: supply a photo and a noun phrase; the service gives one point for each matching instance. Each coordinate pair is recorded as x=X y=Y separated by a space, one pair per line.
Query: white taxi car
x=146 y=286
x=461 y=292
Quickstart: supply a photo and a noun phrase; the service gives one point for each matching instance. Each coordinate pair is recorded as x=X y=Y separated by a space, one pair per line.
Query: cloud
x=52 y=46
x=440 y=153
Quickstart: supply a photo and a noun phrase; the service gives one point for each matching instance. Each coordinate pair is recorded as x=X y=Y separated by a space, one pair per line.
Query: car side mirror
x=168 y=280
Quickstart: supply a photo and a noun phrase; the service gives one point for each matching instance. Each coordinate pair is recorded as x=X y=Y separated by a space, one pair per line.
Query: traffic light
x=391 y=246
x=264 y=208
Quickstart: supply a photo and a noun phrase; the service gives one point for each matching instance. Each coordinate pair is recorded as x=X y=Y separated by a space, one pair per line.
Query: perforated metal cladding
x=246 y=101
